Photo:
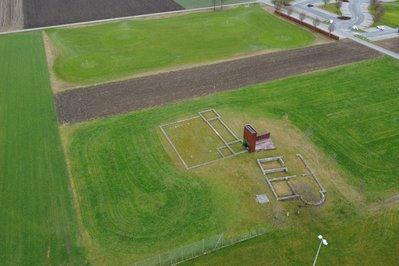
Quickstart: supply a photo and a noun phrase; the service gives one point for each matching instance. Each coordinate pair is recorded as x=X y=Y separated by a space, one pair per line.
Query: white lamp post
x=322 y=241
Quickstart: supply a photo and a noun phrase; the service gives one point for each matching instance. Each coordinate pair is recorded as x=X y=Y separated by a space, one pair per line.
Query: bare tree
x=331 y=27
x=316 y=22
x=378 y=12
x=302 y=16
x=290 y=10
x=326 y=2
x=373 y=2
x=277 y=4
x=339 y=4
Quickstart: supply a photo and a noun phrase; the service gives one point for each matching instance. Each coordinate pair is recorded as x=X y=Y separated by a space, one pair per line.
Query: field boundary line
x=184 y=11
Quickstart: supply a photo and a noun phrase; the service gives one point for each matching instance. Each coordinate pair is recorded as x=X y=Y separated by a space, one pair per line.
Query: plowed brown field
x=390 y=44
x=40 y=13
x=120 y=97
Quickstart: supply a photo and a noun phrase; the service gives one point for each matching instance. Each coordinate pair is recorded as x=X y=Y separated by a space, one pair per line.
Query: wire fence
x=201 y=248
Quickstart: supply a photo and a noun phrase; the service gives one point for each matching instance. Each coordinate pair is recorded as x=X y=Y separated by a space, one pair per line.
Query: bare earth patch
x=126 y=96
x=11 y=15
x=390 y=44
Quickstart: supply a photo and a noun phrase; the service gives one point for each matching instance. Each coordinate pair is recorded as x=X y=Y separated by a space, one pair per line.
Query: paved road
x=359 y=13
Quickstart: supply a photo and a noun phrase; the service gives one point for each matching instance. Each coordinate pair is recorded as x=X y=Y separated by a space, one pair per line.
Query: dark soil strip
x=40 y=13
x=115 y=98
x=390 y=44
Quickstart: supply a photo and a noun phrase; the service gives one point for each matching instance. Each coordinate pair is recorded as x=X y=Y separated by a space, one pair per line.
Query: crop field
x=207 y=3
x=11 y=14
x=38 y=224
x=118 y=50
x=40 y=13
x=137 y=200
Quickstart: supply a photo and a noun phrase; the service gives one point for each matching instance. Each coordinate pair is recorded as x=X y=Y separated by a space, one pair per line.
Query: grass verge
x=331 y=7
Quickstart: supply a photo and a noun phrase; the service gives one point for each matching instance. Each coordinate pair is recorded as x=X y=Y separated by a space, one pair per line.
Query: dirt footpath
x=11 y=15
x=40 y=13
x=120 y=97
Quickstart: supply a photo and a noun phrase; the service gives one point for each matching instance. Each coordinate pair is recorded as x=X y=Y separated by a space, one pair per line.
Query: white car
x=354 y=27
x=380 y=27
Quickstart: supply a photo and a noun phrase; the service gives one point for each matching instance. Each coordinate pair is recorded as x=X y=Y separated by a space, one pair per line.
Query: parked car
x=380 y=27
x=310 y=5
x=354 y=27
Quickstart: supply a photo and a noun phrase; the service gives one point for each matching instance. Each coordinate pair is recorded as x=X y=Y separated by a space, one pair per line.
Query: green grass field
x=206 y=3
x=38 y=224
x=137 y=200
x=355 y=240
x=332 y=7
x=116 y=50
x=390 y=17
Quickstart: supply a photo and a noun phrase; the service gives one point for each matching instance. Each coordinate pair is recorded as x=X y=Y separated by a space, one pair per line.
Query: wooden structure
x=254 y=142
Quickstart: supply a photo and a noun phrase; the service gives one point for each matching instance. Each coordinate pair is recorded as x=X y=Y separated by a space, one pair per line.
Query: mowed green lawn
x=207 y=3
x=391 y=15
x=331 y=7
x=137 y=200
x=115 y=50
x=38 y=224
x=353 y=240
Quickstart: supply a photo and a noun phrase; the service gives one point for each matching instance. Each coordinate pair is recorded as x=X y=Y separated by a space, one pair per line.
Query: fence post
x=203 y=246
x=159 y=256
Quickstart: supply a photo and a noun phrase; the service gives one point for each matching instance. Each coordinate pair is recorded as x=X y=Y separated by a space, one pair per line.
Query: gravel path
x=120 y=97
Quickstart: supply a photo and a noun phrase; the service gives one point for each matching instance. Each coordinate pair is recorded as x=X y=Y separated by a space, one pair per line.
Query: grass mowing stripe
x=37 y=221
x=110 y=51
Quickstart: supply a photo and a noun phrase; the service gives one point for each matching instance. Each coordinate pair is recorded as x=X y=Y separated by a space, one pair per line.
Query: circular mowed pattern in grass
x=88 y=65
x=131 y=196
